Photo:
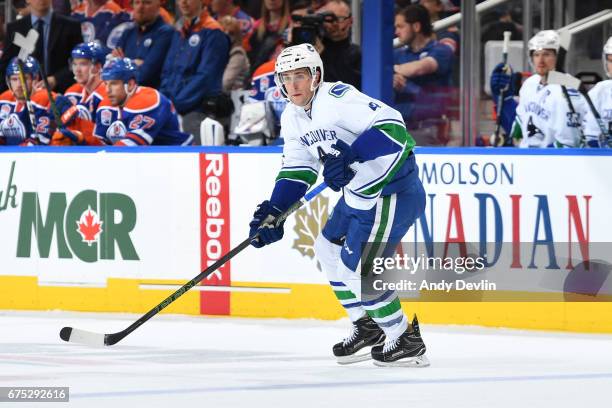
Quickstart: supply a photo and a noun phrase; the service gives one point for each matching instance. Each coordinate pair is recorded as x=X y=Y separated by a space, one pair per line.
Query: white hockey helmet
x=607 y=50
x=544 y=40
x=295 y=57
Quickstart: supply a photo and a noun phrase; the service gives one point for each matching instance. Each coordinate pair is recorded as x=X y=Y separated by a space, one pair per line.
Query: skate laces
x=351 y=336
x=390 y=345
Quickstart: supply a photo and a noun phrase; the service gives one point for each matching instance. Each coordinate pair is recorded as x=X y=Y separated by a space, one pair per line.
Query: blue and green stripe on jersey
x=303 y=174
x=402 y=143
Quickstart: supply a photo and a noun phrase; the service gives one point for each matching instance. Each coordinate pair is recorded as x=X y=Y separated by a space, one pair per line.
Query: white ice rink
x=182 y=361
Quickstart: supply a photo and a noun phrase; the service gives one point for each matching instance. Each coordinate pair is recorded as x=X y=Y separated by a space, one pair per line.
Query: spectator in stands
x=317 y=4
x=58 y=35
x=266 y=39
x=494 y=30
x=222 y=8
x=193 y=71
x=341 y=58
x=422 y=75
x=101 y=20
x=237 y=69
x=61 y=7
x=147 y=42
x=450 y=36
x=251 y=7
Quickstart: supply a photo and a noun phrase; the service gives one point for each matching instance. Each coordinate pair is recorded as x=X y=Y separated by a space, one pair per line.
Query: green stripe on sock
x=385 y=311
x=380 y=232
x=345 y=295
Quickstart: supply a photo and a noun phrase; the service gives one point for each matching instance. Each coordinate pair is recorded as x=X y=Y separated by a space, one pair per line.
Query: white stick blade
x=560 y=78
x=82 y=337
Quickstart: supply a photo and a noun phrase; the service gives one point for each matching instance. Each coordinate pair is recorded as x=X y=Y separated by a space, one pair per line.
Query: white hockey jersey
x=339 y=111
x=545 y=118
x=601 y=96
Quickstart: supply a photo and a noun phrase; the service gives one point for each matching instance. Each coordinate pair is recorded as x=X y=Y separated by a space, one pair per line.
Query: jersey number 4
x=321 y=154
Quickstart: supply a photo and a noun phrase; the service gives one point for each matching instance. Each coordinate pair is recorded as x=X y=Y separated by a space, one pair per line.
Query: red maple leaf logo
x=89 y=226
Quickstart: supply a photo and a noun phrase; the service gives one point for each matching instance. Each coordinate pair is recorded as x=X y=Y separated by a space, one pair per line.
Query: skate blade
x=355 y=358
x=418 y=362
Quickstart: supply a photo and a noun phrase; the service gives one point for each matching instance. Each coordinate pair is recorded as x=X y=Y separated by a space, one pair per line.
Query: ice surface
x=183 y=361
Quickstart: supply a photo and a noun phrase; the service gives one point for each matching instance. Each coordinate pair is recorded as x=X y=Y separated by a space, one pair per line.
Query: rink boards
x=119 y=230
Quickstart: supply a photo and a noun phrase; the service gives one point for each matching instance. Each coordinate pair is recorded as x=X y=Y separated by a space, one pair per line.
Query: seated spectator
x=449 y=36
x=222 y=8
x=133 y=115
x=494 y=30
x=422 y=76
x=341 y=58
x=192 y=75
x=238 y=67
x=266 y=39
x=21 y=122
x=101 y=20
x=147 y=42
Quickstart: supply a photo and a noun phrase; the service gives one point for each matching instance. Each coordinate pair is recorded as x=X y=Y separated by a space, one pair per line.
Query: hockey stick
x=54 y=111
x=566 y=81
x=97 y=339
x=26 y=96
x=569 y=81
x=573 y=82
x=500 y=102
x=26 y=47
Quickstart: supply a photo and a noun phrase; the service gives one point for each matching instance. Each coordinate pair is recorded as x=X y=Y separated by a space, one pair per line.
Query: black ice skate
x=357 y=346
x=408 y=350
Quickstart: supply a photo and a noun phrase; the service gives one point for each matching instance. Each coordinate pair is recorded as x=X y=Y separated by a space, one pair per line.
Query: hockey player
x=601 y=95
x=15 y=123
x=79 y=105
x=547 y=115
x=133 y=115
x=89 y=90
x=367 y=153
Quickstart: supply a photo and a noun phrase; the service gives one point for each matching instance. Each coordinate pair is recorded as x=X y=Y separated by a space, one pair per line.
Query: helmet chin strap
x=128 y=93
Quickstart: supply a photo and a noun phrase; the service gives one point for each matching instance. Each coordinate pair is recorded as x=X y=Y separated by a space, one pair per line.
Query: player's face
x=16 y=87
x=298 y=83
x=145 y=11
x=115 y=91
x=403 y=30
x=609 y=64
x=82 y=68
x=544 y=61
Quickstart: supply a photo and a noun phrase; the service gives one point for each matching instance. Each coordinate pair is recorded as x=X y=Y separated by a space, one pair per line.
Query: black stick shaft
x=56 y=115
x=570 y=105
x=110 y=339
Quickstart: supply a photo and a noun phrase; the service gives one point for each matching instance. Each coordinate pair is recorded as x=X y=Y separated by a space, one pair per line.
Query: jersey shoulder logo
x=339 y=90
